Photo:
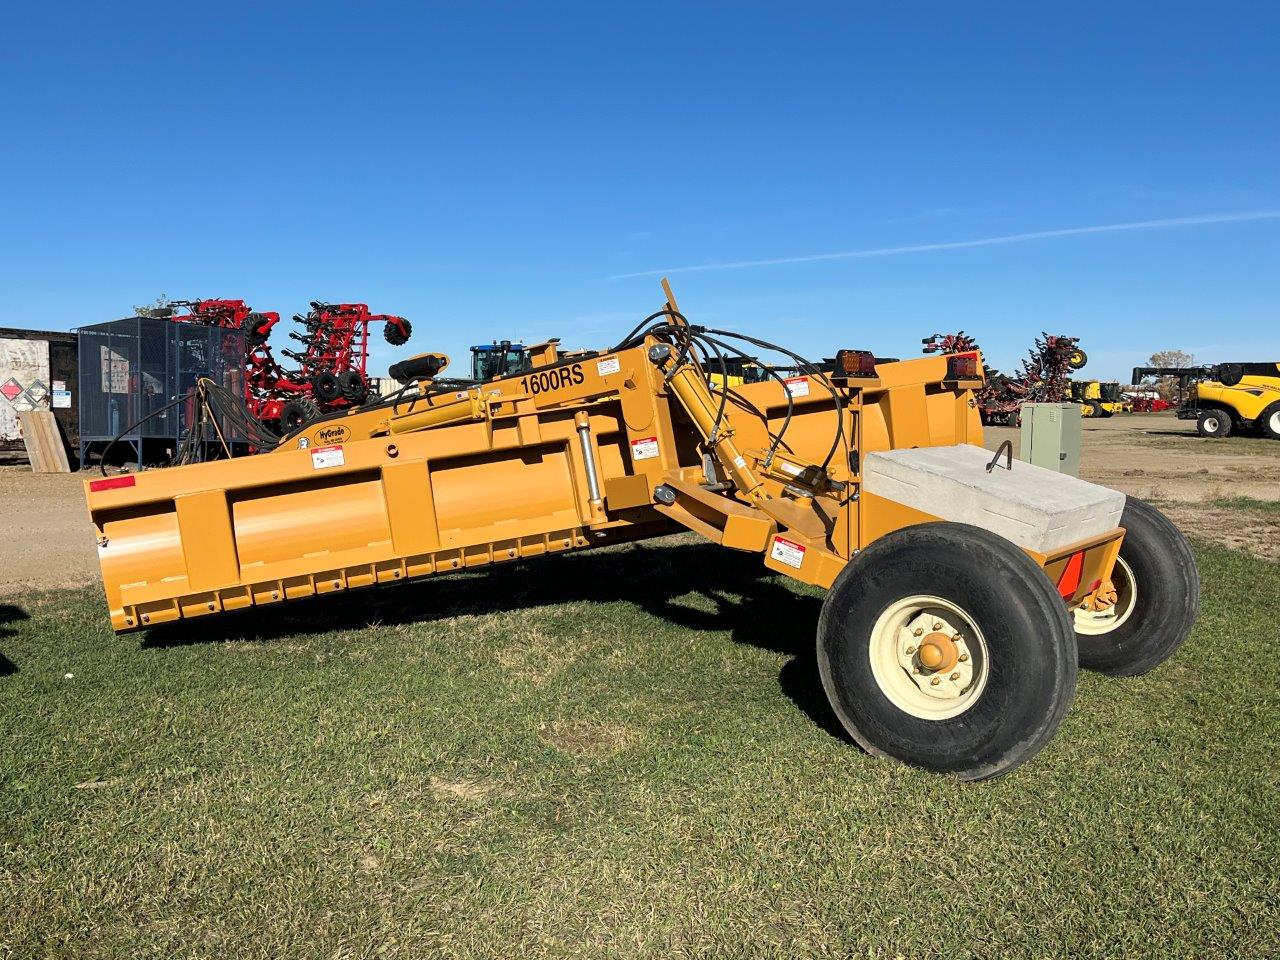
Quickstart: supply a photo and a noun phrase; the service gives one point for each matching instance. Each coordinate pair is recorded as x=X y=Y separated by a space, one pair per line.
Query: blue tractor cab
x=500 y=358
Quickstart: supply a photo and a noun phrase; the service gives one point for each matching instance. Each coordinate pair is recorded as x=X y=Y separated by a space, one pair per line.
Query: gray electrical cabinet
x=1051 y=436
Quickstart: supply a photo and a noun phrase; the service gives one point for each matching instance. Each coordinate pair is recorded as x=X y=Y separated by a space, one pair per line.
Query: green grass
x=1248 y=503
x=625 y=754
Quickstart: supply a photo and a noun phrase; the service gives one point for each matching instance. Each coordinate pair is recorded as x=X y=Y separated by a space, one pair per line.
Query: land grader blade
x=964 y=590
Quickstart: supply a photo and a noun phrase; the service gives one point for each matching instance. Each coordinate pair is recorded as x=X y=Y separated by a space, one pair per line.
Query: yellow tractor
x=1099 y=399
x=1226 y=398
x=964 y=591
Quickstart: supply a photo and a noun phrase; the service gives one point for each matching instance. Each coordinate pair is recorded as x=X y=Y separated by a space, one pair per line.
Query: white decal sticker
x=797 y=386
x=322 y=457
x=788 y=552
x=645 y=448
x=740 y=462
x=303 y=443
x=606 y=367
x=789 y=468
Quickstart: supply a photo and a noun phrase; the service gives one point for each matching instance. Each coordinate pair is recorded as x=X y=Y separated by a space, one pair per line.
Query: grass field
x=1248 y=503
x=625 y=754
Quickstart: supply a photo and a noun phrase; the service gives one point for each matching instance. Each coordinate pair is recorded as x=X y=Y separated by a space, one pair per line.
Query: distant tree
x=1168 y=386
x=160 y=308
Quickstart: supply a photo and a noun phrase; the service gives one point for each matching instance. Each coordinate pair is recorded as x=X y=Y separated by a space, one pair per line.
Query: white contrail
x=963 y=244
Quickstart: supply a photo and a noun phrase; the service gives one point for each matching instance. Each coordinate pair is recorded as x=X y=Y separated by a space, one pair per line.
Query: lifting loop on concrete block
x=1007 y=449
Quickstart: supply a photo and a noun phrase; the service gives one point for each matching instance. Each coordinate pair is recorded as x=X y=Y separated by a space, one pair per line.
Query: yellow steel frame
x=565 y=457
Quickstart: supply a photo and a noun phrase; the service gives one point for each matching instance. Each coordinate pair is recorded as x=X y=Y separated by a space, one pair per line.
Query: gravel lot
x=48 y=542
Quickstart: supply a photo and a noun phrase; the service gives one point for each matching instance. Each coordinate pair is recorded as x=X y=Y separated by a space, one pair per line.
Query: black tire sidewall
x=1032 y=658
x=1168 y=598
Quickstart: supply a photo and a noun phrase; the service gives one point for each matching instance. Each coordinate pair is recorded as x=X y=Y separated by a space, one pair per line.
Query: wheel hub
x=936 y=655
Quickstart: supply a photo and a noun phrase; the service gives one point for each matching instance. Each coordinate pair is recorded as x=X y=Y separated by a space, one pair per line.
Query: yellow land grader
x=964 y=590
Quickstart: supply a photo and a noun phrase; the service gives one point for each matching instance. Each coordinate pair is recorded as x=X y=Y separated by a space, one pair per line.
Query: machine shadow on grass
x=9 y=614
x=754 y=605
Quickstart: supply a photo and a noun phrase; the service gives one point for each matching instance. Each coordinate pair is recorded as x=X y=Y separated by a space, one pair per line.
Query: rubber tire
x=353 y=386
x=297 y=413
x=1269 y=421
x=1033 y=660
x=325 y=386
x=1214 y=423
x=1168 y=601
x=1077 y=364
x=1095 y=409
x=396 y=336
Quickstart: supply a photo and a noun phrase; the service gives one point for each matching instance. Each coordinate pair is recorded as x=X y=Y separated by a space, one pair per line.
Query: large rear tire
x=946 y=647
x=1157 y=587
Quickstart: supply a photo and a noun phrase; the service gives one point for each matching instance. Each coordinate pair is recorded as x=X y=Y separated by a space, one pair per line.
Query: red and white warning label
x=788 y=552
x=646 y=448
x=322 y=457
x=608 y=366
x=797 y=386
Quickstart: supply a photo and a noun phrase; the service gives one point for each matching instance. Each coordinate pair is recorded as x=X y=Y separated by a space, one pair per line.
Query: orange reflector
x=1069 y=582
x=111 y=483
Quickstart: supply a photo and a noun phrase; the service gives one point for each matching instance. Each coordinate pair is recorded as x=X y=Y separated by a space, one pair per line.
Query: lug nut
x=911 y=648
x=963 y=657
x=918 y=632
x=937 y=624
x=956 y=675
x=935 y=681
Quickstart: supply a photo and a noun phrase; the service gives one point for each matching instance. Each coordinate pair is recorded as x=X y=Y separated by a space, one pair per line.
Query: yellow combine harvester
x=964 y=591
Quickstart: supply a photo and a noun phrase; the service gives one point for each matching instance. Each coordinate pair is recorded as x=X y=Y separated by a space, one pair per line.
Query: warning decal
x=788 y=552
x=606 y=367
x=646 y=448
x=797 y=386
x=322 y=457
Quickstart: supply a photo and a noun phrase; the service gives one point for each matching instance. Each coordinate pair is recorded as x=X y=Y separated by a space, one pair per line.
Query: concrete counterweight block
x=1037 y=509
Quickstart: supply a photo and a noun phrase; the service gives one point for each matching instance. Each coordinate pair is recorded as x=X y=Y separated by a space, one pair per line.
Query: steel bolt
x=963 y=657
x=911 y=648
x=935 y=681
x=937 y=624
x=918 y=632
x=956 y=675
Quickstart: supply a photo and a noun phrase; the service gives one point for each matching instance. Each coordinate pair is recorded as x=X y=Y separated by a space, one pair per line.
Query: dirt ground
x=48 y=543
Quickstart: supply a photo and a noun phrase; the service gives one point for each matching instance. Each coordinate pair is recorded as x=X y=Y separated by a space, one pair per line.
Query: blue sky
x=521 y=170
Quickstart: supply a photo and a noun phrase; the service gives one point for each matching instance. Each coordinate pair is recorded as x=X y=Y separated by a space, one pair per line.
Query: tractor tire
x=1077 y=359
x=397 y=334
x=353 y=386
x=1214 y=423
x=992 y=677
x=1157 y=598
x=297 y=413
x=1092 y=408
x=325 y=386
x=1269 y=421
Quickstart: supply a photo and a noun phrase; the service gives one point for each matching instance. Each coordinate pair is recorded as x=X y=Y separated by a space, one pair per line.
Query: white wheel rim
x=1092 y=624
x=1274 y=420
x=897 y=646
x=1211 y=424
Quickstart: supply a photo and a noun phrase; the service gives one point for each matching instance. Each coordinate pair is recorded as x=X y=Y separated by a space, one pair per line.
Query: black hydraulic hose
x=791 y=404
x=812 y=370
x=102 y=462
